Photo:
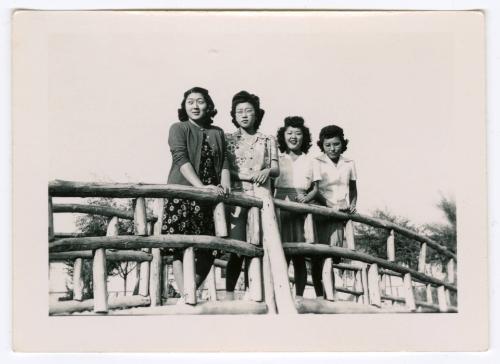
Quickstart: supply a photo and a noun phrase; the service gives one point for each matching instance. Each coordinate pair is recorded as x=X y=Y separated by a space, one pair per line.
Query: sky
x=114 y=91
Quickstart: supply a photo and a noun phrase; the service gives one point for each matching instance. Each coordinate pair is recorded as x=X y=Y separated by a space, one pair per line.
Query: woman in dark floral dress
x=198 y=159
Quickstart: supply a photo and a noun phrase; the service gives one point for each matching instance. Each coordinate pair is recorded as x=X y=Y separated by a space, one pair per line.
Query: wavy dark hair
x=211 y=111
x=332 y=131
x=244 y=96
x=294 y=122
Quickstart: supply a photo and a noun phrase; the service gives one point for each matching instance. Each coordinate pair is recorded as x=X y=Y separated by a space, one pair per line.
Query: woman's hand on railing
x=217 y=189
x=301 y=197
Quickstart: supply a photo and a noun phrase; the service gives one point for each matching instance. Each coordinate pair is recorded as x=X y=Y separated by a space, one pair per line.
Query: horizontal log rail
x=329 y=212
x=325 y=250
x=155 y=241
x=117 y=256
x=393 y=298
x=97 y=210
x=66 y=307
x=60 y=188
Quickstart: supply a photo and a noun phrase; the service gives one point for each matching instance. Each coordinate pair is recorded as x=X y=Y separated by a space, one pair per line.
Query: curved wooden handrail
x=60 y=188
x=120 y=256
x=155 y=241
x=329 y=212
x=98 y=210
x=325 y=250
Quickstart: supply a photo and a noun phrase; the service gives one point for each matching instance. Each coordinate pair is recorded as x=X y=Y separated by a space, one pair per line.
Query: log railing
x=268 y=275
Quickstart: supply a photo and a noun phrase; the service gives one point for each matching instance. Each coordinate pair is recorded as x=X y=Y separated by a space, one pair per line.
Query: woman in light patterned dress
x=252 y=159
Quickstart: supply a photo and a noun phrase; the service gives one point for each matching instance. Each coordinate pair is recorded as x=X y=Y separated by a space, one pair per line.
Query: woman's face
x=333 y=147
x=293 y=139
x=196 y=106
x=245 y=115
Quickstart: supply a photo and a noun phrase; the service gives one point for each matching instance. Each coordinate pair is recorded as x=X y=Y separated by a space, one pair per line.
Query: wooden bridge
x=269 y=290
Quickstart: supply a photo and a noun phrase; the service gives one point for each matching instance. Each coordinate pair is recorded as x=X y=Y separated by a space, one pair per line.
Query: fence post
x=255 y=266
x=428 y=293
x=78 y=279
x=268 y=285
x=391 y=248
x=422 y=257
x=156 y=263
x=349 y=235
x=272 y=244
x=373 y=285
x=220 y=220
x=51 y=221
x=141 y=228
x=99 y=271
x=189 y=273
x=408 y=292
x=212 y=287
x=328 y=279
x=358 y=285
x=450 y=271
x=442 y=300
x=309 y=229
x=165 y=284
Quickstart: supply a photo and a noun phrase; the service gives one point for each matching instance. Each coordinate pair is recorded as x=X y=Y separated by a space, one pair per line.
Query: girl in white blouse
x=337 y=189
x=295 y=183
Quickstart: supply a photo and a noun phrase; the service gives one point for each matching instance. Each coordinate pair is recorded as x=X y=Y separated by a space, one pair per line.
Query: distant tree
x=93 y=225
x=444 y=233
x=373 y=240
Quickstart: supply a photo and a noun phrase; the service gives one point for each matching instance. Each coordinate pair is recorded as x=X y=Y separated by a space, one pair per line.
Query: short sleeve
x=353 y=176
x=316 y=170
x=177 y=141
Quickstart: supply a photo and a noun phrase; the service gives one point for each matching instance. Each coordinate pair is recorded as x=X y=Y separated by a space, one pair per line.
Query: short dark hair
x=211 y=111
x=294 y=122
x=332 y=131
x=244 y=96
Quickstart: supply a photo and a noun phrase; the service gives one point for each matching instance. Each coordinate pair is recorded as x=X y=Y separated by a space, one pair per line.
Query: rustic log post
x=358 y=285
x=349 y=235
x=428 y=293
x=309 y=229
x=391 y=248
x=99 y=271
x=328 y=279
x=141 y=227
x=268 y=285
x=255 y=266
x=422 y=257
x=212 y=288
x=373 y=285
x=450 y=271
x=442 y=301
x=189 y=272
x=364 y=282
x=51 y=221
x=156 y=263
x=165 y=282
x=408 y=292
x=78 y=279
x=220 y=220
x=272 y=244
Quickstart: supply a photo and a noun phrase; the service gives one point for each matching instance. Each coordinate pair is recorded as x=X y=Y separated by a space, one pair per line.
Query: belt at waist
x=288 y=192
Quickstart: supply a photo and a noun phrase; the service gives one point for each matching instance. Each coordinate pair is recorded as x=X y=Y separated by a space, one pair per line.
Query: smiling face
x=196 y=106
x=333 y=148
x=245 y=116
x=293 y=139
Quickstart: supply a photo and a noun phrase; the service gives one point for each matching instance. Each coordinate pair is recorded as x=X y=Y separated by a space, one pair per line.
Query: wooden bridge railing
x=268 y=275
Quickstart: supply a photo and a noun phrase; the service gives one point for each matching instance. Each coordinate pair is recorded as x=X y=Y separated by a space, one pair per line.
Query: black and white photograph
x=297 y=167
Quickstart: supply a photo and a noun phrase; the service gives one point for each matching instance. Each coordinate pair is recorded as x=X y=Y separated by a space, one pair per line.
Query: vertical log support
x=78 y=279
x=364 y=282
x=349 y=235
x=189 y=273
x=268 y=285
x=328 y=279
x=408 y=292
x=428 y=293
x=255 y=266
x=99 y=271
x=156 y=263
x=422 y=258
x=309 y=229
x=451 y=271
x=358 y=285
x=141 y=229
x=277 y=262
x=212 y=288
x=391 y=247
x=165 y=280
x=51 y=221
x=442 y=299
x=220 y=220
x=373 y=285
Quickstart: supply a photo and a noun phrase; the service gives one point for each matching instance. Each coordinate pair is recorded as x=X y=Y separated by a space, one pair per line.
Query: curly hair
x=244 y=96
x=211 y=111
x=332 y=131
x=294 y=122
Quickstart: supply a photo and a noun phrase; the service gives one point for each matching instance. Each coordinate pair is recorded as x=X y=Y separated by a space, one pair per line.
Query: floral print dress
x=191 y=217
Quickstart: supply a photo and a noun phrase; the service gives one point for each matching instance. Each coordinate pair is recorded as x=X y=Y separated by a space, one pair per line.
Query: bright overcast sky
x=115 y=89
